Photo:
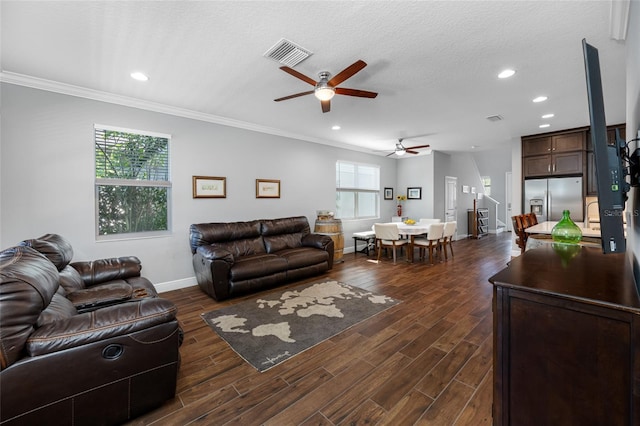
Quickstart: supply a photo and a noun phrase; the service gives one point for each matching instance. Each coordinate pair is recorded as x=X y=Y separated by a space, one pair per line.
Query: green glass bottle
x=566 y=231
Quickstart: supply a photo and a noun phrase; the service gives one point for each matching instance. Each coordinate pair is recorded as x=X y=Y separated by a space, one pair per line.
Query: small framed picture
x=465 y=189
x=209 y=187
x=388 y=193
x=267 y=188
x=414 y=193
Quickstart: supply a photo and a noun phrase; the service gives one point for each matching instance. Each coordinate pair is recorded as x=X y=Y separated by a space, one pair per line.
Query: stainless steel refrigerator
x=547 y=198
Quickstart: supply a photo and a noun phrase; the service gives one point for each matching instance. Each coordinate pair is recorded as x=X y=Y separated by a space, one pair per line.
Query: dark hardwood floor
x=427 y=360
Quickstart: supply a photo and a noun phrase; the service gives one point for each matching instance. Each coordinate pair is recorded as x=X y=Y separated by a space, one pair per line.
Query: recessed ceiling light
x=540 y=99
x=473 y=147
x=547 y=115
x=506 y=73
x=336 y=127
x=139 y=76
x=542 y=126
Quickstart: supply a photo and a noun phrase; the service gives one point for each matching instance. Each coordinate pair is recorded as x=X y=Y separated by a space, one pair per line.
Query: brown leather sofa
x=58 y=366
x=236 y=258
x=93 y=284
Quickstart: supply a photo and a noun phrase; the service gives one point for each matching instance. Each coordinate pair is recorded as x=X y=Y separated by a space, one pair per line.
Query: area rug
x=268 y=330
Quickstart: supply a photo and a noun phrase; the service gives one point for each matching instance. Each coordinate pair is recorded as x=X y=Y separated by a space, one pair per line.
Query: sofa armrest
x=322 y=242
x=212 y=265
x=99 y=325
x=212 y=252
x=105 y=270
x=319 y=241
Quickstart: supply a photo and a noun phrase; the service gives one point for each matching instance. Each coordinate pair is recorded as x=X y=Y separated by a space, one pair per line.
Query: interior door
x=450 y=198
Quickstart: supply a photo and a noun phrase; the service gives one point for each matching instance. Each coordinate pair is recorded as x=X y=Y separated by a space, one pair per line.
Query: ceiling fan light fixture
x=401 y=152
x=324 y=93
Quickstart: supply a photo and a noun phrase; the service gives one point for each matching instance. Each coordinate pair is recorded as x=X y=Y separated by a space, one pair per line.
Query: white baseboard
x=176 y=285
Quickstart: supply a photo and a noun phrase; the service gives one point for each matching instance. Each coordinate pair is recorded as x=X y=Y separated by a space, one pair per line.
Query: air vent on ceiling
x=494 y=118
x=287 y=53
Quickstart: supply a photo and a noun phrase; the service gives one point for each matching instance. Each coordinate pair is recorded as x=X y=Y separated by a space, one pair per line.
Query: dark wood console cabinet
x=566 y=339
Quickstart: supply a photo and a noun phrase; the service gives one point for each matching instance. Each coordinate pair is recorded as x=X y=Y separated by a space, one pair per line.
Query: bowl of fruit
x=410 y=222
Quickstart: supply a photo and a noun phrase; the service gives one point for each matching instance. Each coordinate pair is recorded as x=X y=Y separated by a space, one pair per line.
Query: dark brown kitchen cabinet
x=554 y=154
x=566 y=339
x=564 y=163
x=551 y=143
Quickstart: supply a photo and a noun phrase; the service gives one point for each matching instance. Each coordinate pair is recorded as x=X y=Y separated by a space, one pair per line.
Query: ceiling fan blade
x=326 y=106
x=299 y=75
x=293 y=96
x=411 y=152
x=355 y=92
x=389 y=155
x=347 y=72
x=417 y=146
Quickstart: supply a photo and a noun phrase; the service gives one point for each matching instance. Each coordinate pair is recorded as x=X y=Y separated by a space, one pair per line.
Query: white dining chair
x=428 y=221
x=431 y=242
x=447 y=237
x=387 y=236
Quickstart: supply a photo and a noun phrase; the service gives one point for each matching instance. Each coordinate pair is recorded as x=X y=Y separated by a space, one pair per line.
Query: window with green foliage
x=132 y=182
x=357 y=190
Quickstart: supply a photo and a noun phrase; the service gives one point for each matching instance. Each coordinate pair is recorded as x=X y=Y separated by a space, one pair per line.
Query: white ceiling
x=433 y=63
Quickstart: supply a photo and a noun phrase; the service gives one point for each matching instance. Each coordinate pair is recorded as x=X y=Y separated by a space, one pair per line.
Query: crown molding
x=619 y=19
x=96 y=95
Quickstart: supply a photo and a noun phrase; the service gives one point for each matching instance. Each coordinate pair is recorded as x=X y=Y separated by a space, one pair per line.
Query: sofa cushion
x=28 y=282
x=70 y=280
x=245 y=247
x=208 y=233
x=60 y=308
x=303 y=256
x=54 y=247
x=257 y=265
x=276 y=243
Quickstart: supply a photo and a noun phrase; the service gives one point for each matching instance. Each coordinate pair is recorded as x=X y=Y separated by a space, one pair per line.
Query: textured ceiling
x=433 y=63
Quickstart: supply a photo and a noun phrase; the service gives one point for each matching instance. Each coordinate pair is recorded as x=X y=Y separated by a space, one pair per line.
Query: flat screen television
x=610 y=171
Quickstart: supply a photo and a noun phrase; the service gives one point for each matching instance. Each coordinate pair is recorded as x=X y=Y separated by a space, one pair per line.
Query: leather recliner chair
x=58 y=366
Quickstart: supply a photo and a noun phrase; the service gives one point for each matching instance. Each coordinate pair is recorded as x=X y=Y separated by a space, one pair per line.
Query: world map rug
x=268 y=330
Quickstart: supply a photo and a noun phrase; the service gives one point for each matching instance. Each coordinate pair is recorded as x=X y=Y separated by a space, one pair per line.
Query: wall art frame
x=267 y=188
x=388 y=193
x=414 y=193
x=209 y=187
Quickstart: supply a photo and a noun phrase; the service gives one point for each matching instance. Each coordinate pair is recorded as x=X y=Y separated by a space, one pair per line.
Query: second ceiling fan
x=325 y=88
x=401 y=149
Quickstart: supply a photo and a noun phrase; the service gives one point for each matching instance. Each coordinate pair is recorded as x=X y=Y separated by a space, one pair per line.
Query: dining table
x=410 y=232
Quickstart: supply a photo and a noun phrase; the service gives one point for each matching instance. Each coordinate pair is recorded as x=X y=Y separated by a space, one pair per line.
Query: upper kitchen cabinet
x=554 y=154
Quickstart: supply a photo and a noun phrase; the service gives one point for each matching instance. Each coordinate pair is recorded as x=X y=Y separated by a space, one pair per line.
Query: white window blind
x=132 y=182
x=357 y=190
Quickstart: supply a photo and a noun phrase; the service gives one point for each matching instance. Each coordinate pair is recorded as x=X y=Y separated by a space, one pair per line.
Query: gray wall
x=417 y=172
x=47 y=177
x=495 y=164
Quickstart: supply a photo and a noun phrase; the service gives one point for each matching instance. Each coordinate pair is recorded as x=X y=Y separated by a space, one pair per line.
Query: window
x=486 y=183
x=132 y=182
x=357 y=190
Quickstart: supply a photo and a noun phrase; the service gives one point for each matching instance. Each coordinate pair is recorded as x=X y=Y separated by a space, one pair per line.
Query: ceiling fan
x=325 y=88
x=401 y=149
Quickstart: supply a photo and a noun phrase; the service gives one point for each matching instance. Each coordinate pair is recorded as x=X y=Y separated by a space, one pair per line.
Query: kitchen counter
x=546 y=227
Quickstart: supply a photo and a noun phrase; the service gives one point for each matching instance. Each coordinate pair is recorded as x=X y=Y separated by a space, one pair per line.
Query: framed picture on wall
x=209 y=187
x=414 y=193
x=388 y=193
x=267 y=188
